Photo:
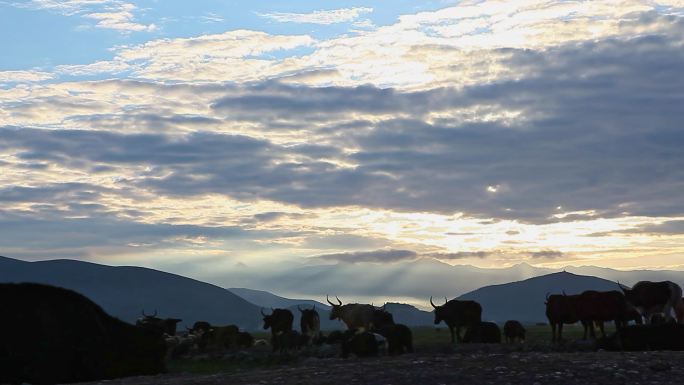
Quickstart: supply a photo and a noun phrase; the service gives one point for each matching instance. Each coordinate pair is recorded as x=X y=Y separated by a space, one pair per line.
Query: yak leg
x=553 y=332
x=587 y=326
x=647 y=317
x=601 y=328
x=451 y=330
x=560 y=332
x=458 y=334
x=619 y=324
x=679 y=311
x=274 y=342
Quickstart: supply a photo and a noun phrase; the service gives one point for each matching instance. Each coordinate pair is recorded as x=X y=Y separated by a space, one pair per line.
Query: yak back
x=399 y=338
x=602 y=306
x=646 y=294
x=669 y=336
x=357 y=316
x=461 y=313
x=55 y=335
x=514 y=329
x=561 y=308
x=483 y=332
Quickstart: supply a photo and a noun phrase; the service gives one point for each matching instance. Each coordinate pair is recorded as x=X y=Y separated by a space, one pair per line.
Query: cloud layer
x=469 y=134
x=108 y=14
x=333 y=16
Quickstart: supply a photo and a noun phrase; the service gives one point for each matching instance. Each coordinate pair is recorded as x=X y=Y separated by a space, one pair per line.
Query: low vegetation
x=435 y=361
x=426 y=340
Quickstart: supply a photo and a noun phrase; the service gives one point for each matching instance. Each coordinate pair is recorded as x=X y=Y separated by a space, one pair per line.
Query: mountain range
x=408 y=281
x=126 y=291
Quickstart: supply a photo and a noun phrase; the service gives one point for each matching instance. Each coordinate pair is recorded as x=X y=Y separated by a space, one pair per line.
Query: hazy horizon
x=375 y=288
x=220 y=140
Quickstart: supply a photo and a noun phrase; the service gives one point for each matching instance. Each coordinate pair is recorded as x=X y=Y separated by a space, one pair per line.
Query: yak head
x=308 y=315
x=268 y=319
x=382 y=317
x=630 y=296
x=147 y=318
x=336 y=311
x=152 y=322
x=169 y=325
x=201 y=325
x=440 y=311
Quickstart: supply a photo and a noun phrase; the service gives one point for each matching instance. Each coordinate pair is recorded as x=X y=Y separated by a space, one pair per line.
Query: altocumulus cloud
x=332 y=16
x=583 y=113
x=109 y=14
x=593 y=127
x=546 y=254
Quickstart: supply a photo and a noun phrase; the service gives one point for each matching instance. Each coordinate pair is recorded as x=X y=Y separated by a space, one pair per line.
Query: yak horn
x=431 y=303
x=328 y=299
x=445 y=300
x=338 y=300
x=262 y=312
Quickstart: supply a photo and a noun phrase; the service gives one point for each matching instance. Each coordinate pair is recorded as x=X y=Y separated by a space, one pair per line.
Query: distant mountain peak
x=561 y=273
x=523 y=264
x=524 y=300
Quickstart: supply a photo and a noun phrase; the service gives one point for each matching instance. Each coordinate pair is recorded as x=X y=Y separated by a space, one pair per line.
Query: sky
x=206 y=137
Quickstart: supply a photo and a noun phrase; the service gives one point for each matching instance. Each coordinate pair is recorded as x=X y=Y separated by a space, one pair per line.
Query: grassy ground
x=428 y=337
x=221 y=365
x=425 y=340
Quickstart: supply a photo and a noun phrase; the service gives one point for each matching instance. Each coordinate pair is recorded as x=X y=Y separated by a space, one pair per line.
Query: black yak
x=457 y=314
x=54 y=335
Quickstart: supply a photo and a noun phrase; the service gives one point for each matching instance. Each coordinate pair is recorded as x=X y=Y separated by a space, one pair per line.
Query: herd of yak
x=55 y=335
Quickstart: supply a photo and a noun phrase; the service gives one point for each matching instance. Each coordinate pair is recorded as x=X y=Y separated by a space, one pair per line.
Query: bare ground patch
x=472 y=367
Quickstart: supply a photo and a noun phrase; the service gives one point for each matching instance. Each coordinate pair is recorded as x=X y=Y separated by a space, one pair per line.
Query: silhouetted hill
x=524 y=300
x=268 y=300
x=409 y=315
x=406 y=314
x=125 y=291
x=629 y=277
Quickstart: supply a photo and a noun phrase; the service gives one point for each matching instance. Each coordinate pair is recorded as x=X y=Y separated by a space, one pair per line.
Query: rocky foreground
x=457 y=368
